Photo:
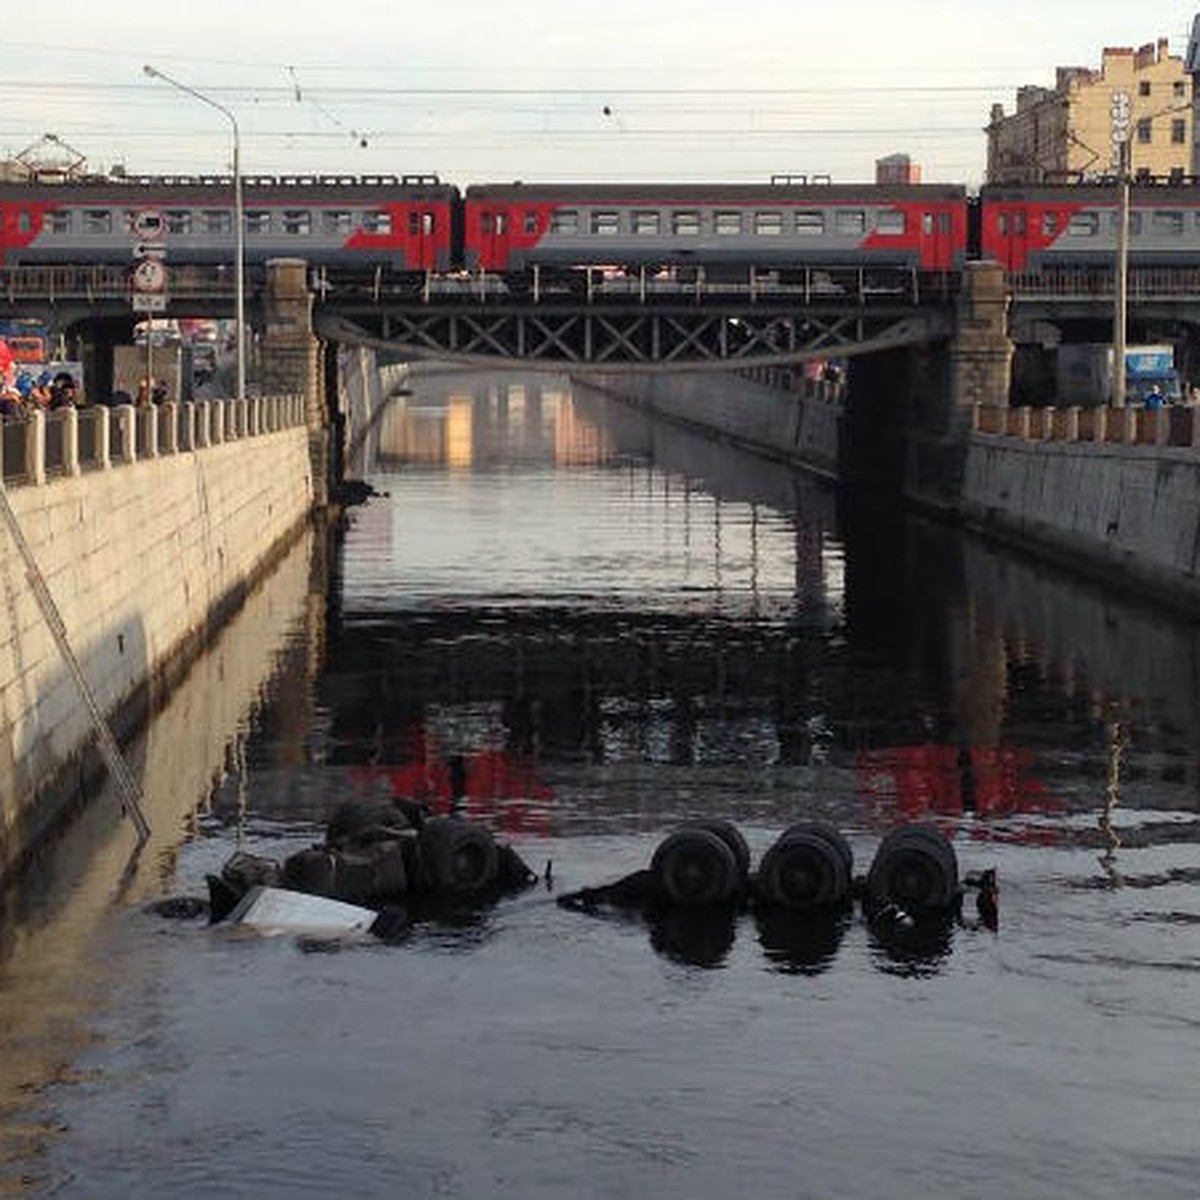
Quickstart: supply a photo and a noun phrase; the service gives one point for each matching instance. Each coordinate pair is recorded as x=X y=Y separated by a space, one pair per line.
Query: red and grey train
x=417 y=224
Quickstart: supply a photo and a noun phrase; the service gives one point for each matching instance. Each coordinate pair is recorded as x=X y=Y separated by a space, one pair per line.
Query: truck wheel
x=694 y=867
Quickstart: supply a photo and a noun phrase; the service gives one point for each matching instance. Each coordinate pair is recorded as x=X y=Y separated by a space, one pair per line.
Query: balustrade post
x=202 y=431
x=126 y=418
x=70 y=440
x=35 y=447
x=169 y=414
x=217 y=411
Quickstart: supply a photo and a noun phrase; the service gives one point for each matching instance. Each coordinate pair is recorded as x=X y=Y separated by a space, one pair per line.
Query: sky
x=479 y=91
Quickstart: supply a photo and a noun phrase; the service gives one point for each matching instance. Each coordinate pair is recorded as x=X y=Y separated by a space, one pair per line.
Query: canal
x=615 y=627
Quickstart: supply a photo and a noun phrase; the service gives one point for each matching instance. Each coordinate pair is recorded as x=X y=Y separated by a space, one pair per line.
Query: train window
x=1169 y=223
x=258 y=220
x=810 y=223
x=297 y=221
x=24 y=221
x=1049 y=224
x=606 y=222
x=97 y=220
x=890 y=221
x=850 y=220
x=685 y=223
x=728 y=223
x=60 y=222
x=377 y=222
x=769 y=224
x=646 y=221
x=566 y=220
x=216 y=220
x=337 y=220
x=1084 y=224
x=531 y=221
x=178 y=220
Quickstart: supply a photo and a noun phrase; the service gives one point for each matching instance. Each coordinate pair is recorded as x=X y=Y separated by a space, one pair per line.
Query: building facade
x=1067 y=132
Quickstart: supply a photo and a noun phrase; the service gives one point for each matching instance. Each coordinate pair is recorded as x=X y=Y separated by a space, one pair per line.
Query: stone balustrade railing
x=45 y=445
x=1173 y=425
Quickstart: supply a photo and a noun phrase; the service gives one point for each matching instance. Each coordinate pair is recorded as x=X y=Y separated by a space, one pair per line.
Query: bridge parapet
x=1175 y=425
x=45 y=446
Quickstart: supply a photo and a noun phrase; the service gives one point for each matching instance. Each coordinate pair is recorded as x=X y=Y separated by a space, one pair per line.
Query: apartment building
x=1067 y=131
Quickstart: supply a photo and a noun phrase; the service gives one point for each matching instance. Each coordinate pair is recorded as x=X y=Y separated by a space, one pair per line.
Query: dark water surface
x=619 y=627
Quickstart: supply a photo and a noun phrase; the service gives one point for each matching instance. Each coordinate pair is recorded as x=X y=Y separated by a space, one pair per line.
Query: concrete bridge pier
x=292 y=360
x=974 y=367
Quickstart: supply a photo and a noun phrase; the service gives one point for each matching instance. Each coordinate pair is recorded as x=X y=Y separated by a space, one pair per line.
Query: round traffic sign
x=149 y=275
x=148 y=224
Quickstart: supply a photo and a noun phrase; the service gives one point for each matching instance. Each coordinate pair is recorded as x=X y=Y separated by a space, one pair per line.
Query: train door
x=939 y=239
x=422 y=239
x=1006 y=235
x=494 y=239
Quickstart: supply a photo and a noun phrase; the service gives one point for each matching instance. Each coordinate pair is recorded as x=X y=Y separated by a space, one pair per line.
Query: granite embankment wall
x=144 y=553
x=1127 y=512
x=758 y=410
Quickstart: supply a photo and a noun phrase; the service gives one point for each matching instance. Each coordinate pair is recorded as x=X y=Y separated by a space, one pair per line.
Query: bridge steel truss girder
x=632 y=338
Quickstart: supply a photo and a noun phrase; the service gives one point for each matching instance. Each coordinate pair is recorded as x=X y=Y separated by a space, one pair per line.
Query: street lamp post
x=239 y=228
x=1121 y=108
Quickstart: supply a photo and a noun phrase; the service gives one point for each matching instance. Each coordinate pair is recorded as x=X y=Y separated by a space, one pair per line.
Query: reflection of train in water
x=414 y=224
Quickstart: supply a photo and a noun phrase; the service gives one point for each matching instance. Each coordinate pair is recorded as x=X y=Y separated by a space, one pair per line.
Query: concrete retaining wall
x=781 y=424
x=142 y=560
x=1127 y=513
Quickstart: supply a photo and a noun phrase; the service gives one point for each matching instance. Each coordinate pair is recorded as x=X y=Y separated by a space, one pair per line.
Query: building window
x=606 y=223
x=1169 y=224
x=337 y=220
x=1177 y=88
x=769 y=224
x=850 y=220
x=1178 y=131
x=258 y=221
x=217 y=220
x=810 y=223
x=890 y=221
x=531 y=221
x=728 y=224
x=1144 y=131
x=178 y=220
x=97 y=220
x=646 y=222
x=566 y=220
x=685 y=224
x=1084 y=224
x=1144 y=88
x=377 y=222
x=297 y=221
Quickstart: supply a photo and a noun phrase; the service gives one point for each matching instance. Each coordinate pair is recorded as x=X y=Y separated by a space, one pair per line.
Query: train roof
x=1186 y=191
x=707 y=193
x=121 y=189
